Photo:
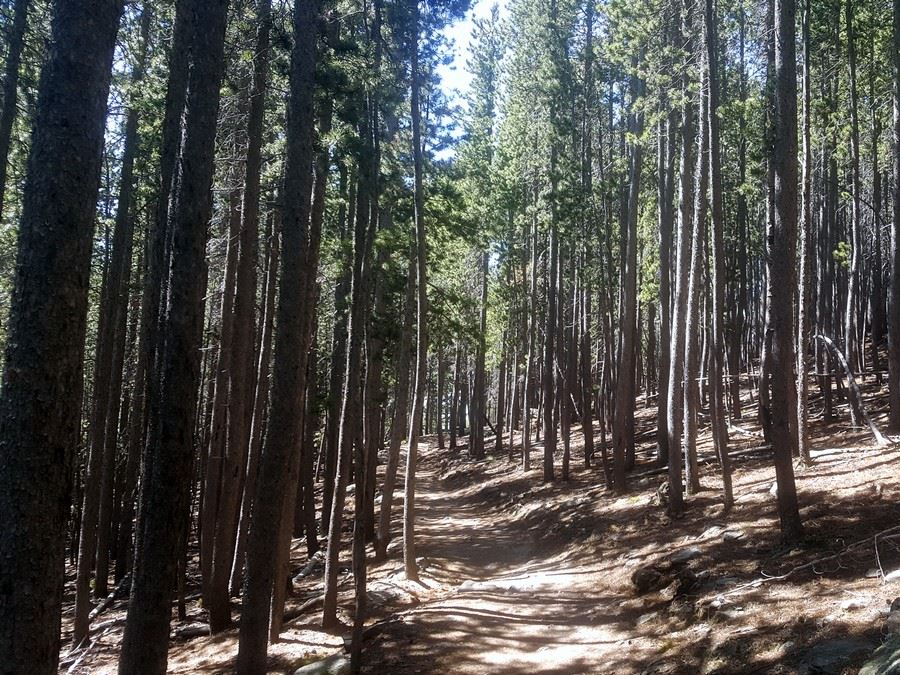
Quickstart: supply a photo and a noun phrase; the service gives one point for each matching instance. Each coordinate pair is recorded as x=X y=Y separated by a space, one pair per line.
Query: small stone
x=711 y=532
x=774 y=489
x=336 y=664
x=892 y=576
x=670 y=591
x=853 y=603
x=686 y=554
x=786 y=648
x=733 y=535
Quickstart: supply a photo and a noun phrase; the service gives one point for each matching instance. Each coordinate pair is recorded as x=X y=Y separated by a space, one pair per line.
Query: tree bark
x=291 y=344
x=717 y=369
x=168 y=455
x=97 y=504
x=894 y=304
x=780 y=263
x=675 y=395
x=238 y=380
x=476 y=438
x=415 y=419
x=260 y=398
x=853 y=281
x=401 y=410
x=625 y=384
x=42 y=380
x=692 y=349
x=805 y=253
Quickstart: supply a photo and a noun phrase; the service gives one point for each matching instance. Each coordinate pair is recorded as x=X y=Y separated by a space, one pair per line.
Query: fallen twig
x=756 y=583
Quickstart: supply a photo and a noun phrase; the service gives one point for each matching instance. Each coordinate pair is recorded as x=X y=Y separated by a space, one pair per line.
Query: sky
x=454 y=77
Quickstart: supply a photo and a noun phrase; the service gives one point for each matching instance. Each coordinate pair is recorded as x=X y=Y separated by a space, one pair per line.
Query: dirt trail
x=505 y=603
x=524 y=577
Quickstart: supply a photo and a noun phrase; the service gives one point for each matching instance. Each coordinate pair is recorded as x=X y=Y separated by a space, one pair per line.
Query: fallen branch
x=856 y=404
x=296 y=612
x=744 y=432
x=756 y=583
x=103 y=606
x=84 y=653
x=192 y=631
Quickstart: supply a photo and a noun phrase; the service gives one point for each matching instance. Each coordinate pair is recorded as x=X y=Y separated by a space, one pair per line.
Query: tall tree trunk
x=239 y=380
x=894 y=305
x=401 y=410
x=479 y=411
x=346 y=221
x=548 y=367
x=441 y=392
x=168 y=456
x=805 y=253
x=457 y=363
x=529 y=397
x=415 y=419
x=260 y=397
x=156 y=279
x=94 y=539
x=736 y=343
x=625 y=380
x=666 y=178
x=717 y=370
x=692 y=348
x=291 y=344
x=42 y=381
x=781 y=261
x=675 y=395
x=15 y=42
x=853 y=281
x=502 y=383
x=215 y=453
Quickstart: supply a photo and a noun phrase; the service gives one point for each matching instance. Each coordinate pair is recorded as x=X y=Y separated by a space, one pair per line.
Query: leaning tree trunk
x=401 y=410
x=41 y=393
x=260 y=398
x=169 y=450
x=94 y=541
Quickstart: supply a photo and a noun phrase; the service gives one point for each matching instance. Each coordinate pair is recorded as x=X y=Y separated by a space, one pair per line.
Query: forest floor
x=520 y=576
